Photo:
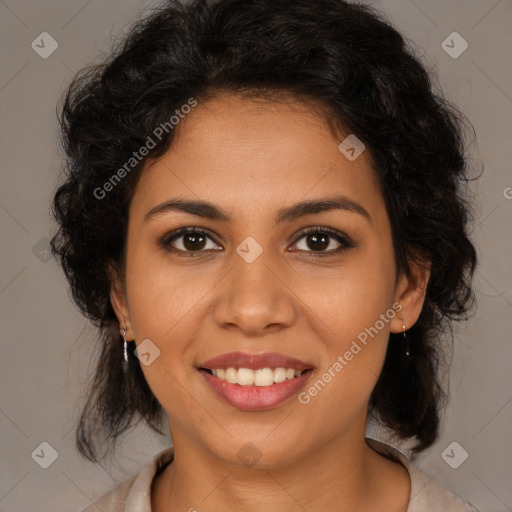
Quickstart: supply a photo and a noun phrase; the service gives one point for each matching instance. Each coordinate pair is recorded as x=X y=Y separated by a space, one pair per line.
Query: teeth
x=261 y=377
x=232 y=375
x=246 y=377
x=279 y=374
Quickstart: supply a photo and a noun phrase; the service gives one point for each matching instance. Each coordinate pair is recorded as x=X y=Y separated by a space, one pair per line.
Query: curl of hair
x=345 y=57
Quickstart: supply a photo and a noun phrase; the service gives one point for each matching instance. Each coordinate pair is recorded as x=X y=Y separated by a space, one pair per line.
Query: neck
x=345 y=475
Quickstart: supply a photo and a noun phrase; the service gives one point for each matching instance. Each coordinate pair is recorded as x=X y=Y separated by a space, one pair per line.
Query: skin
x=251 y=158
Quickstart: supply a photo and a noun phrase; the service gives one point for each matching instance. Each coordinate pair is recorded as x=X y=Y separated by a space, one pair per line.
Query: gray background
x=46 y=345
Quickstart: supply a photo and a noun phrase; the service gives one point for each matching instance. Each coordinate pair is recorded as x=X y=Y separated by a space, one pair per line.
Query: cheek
x=346 y=301
x=162 y=297
x=354 y=352
x=352 y=313
x=164 y=304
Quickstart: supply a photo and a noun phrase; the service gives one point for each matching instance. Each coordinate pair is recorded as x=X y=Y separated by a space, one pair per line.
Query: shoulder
x=426 y=493
x=134 y=494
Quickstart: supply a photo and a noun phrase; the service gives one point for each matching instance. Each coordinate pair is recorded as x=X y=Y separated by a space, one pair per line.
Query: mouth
x=255 y=382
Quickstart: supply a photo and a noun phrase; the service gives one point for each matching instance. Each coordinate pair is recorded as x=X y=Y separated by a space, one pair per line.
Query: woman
x=264 y=215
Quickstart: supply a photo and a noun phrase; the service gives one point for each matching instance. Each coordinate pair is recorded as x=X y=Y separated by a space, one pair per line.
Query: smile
x=254 y=382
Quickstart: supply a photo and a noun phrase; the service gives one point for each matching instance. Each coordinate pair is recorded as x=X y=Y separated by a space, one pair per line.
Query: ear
x=119 y=302
x=410 y=293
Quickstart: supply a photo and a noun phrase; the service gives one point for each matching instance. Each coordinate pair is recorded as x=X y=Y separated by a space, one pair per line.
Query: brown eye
x=317 y=241
x=194 y=241
x=323 y=240
x=189 y=240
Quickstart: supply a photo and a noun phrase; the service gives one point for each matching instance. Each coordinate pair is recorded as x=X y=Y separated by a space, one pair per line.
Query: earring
x=407 y=351
x=125 y=345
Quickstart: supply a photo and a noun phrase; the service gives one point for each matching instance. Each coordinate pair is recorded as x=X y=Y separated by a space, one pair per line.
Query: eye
x=319 y=239
x=189 y=240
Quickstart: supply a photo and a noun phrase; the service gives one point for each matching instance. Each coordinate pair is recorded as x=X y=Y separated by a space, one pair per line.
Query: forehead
x=247 y=153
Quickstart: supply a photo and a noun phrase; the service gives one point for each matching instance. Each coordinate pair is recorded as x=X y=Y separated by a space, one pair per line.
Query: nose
x=255 y=298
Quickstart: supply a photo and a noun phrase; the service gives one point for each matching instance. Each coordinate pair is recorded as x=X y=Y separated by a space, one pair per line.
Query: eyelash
x=345 y=241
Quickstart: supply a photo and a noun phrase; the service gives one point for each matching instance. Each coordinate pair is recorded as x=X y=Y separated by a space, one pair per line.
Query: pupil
x=320 y=240
x=190 y=241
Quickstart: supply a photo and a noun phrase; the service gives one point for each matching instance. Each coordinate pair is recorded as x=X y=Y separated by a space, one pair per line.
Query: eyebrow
x=208 y=210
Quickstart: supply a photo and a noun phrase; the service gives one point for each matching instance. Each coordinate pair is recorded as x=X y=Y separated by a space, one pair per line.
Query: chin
x=256 y=452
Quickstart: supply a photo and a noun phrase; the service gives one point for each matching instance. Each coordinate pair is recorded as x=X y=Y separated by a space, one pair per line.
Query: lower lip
x=255 y=398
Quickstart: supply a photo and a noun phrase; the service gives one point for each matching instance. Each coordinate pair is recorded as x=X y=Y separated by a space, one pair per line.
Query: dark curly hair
x=345 y=57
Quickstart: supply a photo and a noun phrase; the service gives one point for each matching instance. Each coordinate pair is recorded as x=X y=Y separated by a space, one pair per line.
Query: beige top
x=134 y=495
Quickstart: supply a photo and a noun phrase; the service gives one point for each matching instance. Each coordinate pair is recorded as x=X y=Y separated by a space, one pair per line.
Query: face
x=258 y=282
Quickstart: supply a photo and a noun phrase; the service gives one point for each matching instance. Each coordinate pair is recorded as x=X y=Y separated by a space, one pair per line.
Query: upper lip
x=254 y=361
